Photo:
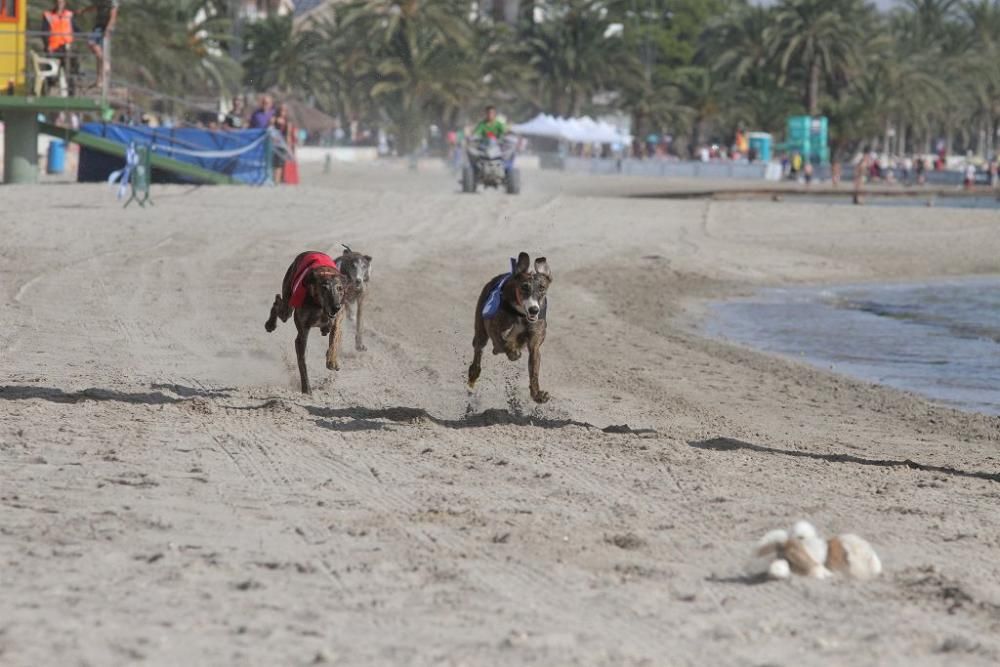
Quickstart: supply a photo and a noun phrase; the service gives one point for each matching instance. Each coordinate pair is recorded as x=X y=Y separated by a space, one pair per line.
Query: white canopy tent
x=584 y=130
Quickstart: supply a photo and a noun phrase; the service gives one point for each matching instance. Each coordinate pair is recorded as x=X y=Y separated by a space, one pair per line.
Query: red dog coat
x=308 y=262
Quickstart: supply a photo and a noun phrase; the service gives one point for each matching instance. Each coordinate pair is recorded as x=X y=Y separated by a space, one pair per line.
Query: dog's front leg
x=479 y=341
x=278 y=309
x=534 y=366
x=358 y=341
x=300 y=355
x=336 y=333
x=476 y=367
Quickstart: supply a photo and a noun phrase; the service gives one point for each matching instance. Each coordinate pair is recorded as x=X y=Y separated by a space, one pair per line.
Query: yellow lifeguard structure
x=13 y=30
x=20 y=103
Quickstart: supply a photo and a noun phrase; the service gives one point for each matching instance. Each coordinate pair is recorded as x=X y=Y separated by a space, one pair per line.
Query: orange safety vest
x=60 y=29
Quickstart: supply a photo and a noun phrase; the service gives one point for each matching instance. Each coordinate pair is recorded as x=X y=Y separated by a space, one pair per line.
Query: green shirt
x=496 y=128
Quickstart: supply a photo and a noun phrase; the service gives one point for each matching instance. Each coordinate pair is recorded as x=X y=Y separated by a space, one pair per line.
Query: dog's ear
x=542 y=267
x=523 y=263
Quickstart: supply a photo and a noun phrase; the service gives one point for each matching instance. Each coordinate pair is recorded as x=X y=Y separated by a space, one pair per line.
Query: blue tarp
x=241 y=154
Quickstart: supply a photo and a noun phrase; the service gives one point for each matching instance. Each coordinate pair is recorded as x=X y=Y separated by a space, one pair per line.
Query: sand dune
x=168 y=496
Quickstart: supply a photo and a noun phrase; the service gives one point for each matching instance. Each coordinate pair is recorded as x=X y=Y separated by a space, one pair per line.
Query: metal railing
x=31 y=71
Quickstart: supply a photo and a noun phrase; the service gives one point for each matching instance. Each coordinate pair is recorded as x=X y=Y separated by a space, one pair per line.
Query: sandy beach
x=169 y=497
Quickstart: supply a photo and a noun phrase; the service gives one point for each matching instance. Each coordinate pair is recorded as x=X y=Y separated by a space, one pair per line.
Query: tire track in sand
x=262 y=452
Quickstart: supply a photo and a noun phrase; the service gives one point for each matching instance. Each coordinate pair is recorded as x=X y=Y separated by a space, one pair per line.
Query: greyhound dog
x=357 y=271
x=313 y=289
x=511 y=312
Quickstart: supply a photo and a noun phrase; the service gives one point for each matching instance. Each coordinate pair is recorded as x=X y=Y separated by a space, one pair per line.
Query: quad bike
x=491 y=164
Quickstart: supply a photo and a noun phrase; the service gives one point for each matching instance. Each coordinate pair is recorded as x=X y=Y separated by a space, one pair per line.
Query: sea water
x=939 y=339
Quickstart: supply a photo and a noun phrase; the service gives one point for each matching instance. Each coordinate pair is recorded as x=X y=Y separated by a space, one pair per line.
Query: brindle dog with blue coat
x=511 y=313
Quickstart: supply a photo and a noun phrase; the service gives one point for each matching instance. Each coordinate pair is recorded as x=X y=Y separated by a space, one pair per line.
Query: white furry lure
x=801 y=551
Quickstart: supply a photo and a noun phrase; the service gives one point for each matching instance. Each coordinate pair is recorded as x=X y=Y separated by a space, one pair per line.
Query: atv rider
x=490 y=127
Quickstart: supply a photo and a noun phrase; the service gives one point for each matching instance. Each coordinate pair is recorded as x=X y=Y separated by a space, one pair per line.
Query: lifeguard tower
x=25 y=71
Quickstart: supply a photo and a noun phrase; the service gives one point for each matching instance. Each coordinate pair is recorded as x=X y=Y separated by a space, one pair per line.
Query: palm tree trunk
x=639 y=126
x=813 y=99
x=901 y=138
x=574 y=103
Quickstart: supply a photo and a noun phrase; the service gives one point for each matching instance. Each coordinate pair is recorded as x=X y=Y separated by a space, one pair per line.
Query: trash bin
x=760 y=145
x=56 y=163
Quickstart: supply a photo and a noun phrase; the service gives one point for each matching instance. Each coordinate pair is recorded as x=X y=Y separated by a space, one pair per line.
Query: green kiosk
x=809 y=136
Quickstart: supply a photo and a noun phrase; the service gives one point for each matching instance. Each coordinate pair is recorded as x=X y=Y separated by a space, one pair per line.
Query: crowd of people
x=277 y=119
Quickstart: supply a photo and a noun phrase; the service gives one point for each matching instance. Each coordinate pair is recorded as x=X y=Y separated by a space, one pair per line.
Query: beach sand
x=168 y=495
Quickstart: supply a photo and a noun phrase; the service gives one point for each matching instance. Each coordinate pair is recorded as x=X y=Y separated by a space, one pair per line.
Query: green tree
x=278 y=56
x=182 y=56
x=575 y=54
x=818 y=39
x=420 y=58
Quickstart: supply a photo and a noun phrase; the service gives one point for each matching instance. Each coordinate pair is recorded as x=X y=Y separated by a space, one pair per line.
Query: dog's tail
x=346 y=247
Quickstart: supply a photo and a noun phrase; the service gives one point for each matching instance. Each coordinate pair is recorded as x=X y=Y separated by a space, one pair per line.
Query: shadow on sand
x=731 y=444
x=54 y=395
x=492 y=417
x=337 y=419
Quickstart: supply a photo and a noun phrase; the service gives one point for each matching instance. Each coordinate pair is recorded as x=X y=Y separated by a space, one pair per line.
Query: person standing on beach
x=796 y=165
x=285 y=151
x=860 y=171
x=234 y=119
x=970 y=175
x=262 y=117
x=107 y=18
x=58 y=26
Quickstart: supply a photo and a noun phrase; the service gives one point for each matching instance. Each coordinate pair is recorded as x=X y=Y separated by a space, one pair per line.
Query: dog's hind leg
x=279 y=310
x=534 y=366
x=359 y=344
x=336 y=333
x=300 y=355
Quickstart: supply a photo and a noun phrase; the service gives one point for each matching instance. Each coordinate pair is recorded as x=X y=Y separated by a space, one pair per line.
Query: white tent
x=584 y=130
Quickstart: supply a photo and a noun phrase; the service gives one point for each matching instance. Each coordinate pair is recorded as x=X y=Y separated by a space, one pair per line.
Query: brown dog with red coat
x=313 y=289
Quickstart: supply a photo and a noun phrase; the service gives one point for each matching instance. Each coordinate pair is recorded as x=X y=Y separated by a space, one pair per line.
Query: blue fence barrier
x=241 y=154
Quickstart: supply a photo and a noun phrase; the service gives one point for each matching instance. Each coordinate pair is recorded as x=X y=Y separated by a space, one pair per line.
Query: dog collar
x=511 y=309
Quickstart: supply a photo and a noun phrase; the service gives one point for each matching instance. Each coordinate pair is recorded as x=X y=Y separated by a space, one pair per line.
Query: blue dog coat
x=493 y=301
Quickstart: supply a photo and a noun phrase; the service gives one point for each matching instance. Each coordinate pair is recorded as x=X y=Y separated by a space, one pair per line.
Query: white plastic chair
x=49 y=68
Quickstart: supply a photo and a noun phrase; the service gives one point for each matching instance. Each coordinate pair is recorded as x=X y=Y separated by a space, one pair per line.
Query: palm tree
x=735 y=44
x=183 y=56
x=575 y=55
x=344 y=70
x=816 y=38
x=700 y=94
x=278 y=56
x=925 y=23
x=419 y=54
